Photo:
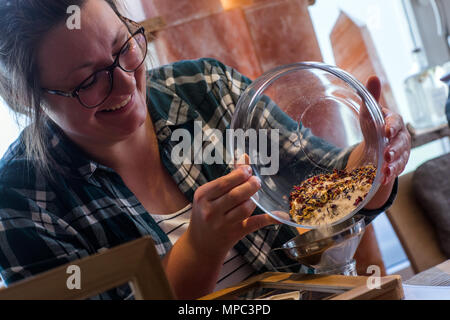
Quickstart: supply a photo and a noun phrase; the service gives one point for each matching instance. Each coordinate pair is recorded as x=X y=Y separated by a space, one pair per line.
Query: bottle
x=426 y=93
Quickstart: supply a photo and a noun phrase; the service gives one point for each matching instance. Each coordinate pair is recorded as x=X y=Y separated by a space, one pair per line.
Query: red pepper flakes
x=358 y=201
x=313 y=191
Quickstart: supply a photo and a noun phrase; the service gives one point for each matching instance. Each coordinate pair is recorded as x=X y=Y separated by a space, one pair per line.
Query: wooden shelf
x=421 y=137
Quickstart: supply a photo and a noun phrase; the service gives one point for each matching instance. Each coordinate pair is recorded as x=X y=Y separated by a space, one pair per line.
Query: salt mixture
x=326 y=198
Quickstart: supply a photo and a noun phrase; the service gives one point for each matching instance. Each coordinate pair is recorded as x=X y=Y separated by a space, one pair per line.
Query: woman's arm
x=221 y=216
x=190 y=273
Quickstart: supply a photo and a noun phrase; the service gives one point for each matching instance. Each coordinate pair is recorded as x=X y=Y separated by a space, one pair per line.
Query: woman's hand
x=398 y=148
x=221 y=216
x=221 y=213
x=397 y=151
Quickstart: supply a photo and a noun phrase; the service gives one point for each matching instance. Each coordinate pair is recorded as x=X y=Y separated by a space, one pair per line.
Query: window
x=388 y=26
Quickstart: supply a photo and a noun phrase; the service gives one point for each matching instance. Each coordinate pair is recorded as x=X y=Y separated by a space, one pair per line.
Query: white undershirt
x=235 y=268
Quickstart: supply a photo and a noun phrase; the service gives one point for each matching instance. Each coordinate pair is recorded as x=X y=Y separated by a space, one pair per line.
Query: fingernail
x=388 y=171
x=391 y=171
x=390 y=156
x=391 y=132
x=248 y=170
x=258 y=182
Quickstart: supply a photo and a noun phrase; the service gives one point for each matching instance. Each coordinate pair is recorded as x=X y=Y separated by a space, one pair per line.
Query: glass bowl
x=304 y=120
x=326 y=251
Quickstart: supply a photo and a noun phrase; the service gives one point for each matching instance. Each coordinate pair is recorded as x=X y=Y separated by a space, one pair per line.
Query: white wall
x=387 y=24
x=134 y=9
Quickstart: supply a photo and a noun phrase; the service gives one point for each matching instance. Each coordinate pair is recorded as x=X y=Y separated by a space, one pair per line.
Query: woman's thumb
x=256 y=222
x=374 y=87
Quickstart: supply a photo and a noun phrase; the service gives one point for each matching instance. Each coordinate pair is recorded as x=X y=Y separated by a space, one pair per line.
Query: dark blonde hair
x=23 y=24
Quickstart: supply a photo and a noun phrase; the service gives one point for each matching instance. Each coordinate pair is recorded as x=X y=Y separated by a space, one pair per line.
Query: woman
x=95 y=160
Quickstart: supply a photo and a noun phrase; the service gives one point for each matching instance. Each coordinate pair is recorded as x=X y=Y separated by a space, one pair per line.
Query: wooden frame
x=343 y=287
x=152 y=26
x=421 y=137
x=136 y=262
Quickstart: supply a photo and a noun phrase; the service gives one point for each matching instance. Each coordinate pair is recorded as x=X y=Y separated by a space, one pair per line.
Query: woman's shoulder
x=199 y=68
x=195 y=76
x=197 y=82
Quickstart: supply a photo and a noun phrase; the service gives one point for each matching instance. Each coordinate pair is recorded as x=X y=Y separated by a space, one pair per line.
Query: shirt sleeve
x=32 y=240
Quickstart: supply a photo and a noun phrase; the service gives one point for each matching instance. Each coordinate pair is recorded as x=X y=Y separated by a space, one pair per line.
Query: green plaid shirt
x=87 y=208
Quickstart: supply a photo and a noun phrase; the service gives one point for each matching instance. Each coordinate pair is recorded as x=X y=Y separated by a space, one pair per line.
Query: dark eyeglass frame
x=110 y=69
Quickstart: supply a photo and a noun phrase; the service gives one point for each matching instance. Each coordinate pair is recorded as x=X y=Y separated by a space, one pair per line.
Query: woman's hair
x=23 y=24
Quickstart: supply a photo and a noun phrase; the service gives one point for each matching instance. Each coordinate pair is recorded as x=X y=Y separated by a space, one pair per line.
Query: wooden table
x=431 y=284
x=436 y=276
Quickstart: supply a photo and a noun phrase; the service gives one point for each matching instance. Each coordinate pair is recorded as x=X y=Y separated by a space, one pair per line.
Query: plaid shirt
x=45 y=223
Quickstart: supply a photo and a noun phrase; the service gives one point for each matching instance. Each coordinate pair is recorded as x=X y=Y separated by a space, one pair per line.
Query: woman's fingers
x=394 y=123
x=399 y=146
x=243 y=160
x=374 y=87
x=396 y=147
x=396 y=167
x=256 y=222
x=241 y=212
x=238 y=195
x=217 y=188
x=390 y=172
x=397 y=157
x=216 y=198
x=367 y=125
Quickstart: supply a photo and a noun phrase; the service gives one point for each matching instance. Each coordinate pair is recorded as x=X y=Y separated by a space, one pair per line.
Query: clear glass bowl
x=302 y=120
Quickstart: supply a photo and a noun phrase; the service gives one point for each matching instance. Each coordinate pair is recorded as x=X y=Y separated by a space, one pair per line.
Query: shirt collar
x=69 y=156
x=176 y=114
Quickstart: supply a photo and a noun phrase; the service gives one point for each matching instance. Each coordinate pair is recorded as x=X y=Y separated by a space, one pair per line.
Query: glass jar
x=302 y=121
x=427 y=95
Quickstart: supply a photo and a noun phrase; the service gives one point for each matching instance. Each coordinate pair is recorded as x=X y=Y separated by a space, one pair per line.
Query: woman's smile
x=120 y=105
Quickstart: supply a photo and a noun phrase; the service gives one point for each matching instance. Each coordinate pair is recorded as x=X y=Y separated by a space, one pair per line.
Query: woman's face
x=67 y=57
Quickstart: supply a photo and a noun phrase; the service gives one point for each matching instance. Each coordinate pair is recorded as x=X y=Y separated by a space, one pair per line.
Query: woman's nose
x=123 y=82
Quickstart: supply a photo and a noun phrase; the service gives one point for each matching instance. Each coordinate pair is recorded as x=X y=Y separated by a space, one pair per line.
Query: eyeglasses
x=96 y=88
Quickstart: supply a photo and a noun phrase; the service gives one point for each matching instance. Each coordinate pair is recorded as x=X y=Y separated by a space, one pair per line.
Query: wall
x=252 y=36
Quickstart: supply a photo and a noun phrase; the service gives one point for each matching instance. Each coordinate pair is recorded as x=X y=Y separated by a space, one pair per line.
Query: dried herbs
x=326 y=198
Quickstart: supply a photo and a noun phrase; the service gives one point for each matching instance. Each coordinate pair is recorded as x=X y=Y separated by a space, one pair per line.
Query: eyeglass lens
x=96 y=88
